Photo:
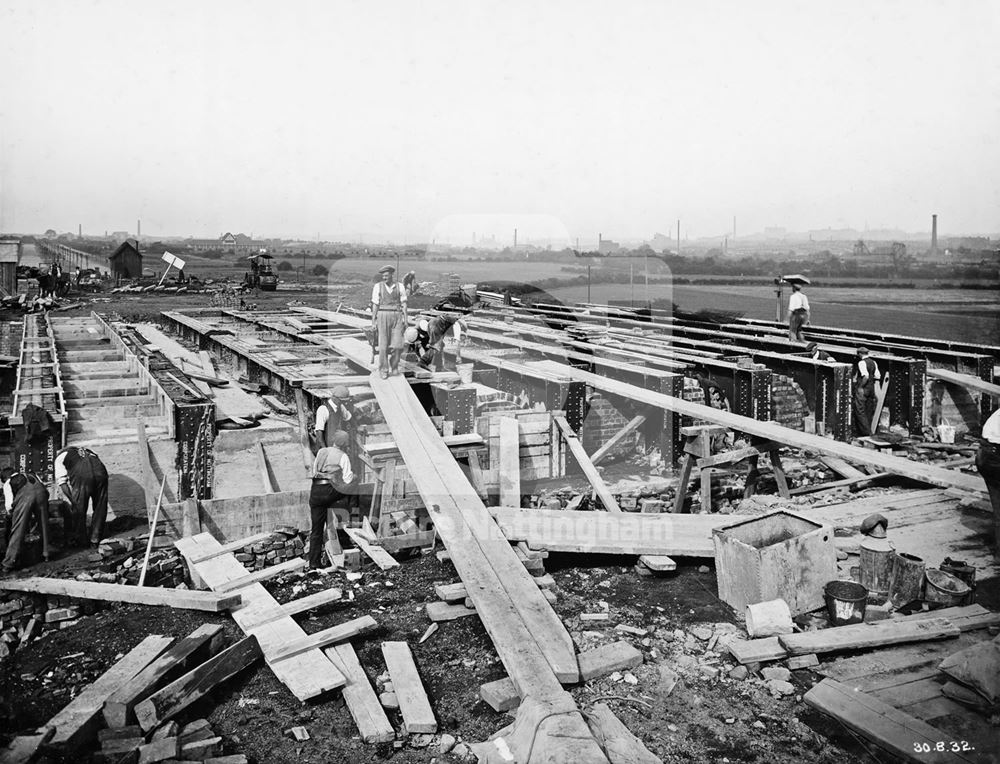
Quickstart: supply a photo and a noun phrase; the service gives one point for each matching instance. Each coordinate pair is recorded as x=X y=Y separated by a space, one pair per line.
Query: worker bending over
x=26 y=497
x=84 y=480
x=816 y=354
x=332 y=477
x=427 y=337
x=866 y=374
x=389 y=320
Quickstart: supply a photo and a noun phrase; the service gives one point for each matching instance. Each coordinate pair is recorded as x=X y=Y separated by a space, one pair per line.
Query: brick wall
x=789 y=406
x=951 y=404
x=602 y=422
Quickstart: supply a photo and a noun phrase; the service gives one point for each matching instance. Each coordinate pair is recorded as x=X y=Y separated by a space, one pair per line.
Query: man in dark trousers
x=988 y=464
x=84 y=480
x=27 y=498
x=427 y=337
x=332 y=477
x=866 y=374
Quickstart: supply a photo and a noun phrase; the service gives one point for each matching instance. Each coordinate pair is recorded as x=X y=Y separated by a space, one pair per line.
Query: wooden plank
x=301 y=605
x=209 y=602
x=235 y=546
x=265 y=474
x=965 y=380
x=606 y=533
x=603 y=660
x=842 y=468
x=660 y=563
x=510 y=467
x=532 y=642
x=25 y=749
x=310 y=674
x=633 y=424
x=917 y=470
x=418 y=716
x=342 y=632
x=865 y=635
x=263 y=575
x=182 y=692
x=302 y=410
x=77 y=724
x=361 y=700
x=442 y=611
x=451 y=592
x=377 y=554
x=500 y=695
x=890 y=729
x=193 y=649
x=589 y=470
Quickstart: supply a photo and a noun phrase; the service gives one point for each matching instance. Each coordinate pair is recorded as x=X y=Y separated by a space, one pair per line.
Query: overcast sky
x=434 y=119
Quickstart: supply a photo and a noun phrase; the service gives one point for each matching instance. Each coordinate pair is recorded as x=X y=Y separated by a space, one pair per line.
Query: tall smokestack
x=515 y=238
x=734 y=228
x=933 y=233
x=678 y=236
x=138 y=228
x=79 y=230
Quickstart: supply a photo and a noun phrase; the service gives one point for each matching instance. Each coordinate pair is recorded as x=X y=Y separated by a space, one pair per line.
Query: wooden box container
x=777 y=555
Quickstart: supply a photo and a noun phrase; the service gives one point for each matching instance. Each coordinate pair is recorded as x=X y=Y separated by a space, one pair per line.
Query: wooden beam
x=376 y=554
x=510 y=463
x=443 y=611
x=210 y=602
x=302 y=410
x=965 y=380
x=234 y=546
x=890 y=729
x=77 y=724
x=181 y=693
x=301 y=605
x=865 y=635
x=806 y=441
x=361 y=700
x=263 y=575
x=634 y=424
x=202 y=643
x=342 y=632
x=593 y=476
x=265 y=474
x=415 y=708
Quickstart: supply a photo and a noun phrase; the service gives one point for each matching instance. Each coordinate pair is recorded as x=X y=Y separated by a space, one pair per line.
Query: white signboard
x=173 y=260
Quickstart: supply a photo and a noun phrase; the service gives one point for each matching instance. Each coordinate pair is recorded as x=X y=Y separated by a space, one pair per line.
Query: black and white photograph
x=499 y=382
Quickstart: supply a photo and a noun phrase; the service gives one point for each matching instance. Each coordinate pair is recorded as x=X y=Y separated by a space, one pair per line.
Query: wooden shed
x=10 y=258
x=126 y=261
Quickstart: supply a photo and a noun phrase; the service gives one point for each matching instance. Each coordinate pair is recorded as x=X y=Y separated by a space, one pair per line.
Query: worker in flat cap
x=333 y=414
x=389 y=319
x=816 y=354
x=866 y=374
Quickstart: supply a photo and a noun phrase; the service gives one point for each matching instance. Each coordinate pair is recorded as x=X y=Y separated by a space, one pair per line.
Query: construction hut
x=10 y=257
x=126 y=261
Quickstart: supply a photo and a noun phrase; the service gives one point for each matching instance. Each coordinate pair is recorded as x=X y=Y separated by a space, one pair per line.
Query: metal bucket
x=465 y=372
x=846 y=602
x=944 y=588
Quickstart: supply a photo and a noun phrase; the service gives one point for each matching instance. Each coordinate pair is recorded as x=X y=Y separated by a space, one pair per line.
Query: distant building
x=661 y=243
x=10 y=258
x=608 y=247
x=126 y=261
x=239 y=244
x=775 y=232
x=969 y=242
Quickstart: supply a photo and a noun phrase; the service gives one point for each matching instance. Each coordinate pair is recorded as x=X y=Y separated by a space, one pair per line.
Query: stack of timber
x=532 y=643
x=309 y=665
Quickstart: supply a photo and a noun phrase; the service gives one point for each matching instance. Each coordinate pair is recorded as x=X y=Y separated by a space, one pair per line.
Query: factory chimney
x=138 y=229
x=515 y=238
x=79 y=230
x=933 y=233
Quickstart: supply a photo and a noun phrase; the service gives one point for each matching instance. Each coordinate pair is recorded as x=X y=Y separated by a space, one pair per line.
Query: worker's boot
x=394 y=363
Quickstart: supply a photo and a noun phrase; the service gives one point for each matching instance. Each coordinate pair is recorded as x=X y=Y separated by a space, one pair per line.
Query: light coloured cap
x=387 y=269
x=340 y=392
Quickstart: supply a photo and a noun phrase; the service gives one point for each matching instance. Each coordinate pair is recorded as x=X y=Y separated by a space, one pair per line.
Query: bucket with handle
x=465 y=372
x=944 y=588
x=946 y=432
x=846 y=602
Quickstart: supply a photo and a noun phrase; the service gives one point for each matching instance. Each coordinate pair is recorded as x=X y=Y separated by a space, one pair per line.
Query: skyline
x=397 y=123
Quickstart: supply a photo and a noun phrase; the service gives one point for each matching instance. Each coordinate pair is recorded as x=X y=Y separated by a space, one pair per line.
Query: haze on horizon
x=393 y=120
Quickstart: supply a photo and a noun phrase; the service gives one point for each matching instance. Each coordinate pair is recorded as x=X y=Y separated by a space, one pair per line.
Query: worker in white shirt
x=866 y=374
x=389 y=320
x=798 y=313
x=84 y=481
x=988 y=464
x=332 y=415
x=332 y=477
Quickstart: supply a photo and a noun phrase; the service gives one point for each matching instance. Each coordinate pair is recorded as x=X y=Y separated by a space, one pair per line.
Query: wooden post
x=152 y=532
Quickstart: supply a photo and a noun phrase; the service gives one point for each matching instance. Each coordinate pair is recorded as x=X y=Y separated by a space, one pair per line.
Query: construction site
x=588 y=533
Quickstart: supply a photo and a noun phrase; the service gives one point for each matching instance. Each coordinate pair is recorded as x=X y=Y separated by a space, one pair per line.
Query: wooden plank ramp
x=309 y=674
x=517 y=617
x=418 y=716
x=917 y=470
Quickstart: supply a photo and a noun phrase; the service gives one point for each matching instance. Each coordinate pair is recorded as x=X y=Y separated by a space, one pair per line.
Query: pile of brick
x=788 y=402
x=283 y=544
x=25 y=616
x=121 y=563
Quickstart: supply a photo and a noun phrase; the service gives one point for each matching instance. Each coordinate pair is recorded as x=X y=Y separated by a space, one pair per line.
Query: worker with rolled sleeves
x=84 y=481
x=866 y=374
x=427 y=338
x=988 y=464
x=388 y=320
x=332 y=478
x=25 y=497
x=332 y=415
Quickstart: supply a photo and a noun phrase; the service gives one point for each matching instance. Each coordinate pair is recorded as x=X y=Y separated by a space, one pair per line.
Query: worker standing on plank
x=84 y=480
x=332 y=476
x=798 y=312
x=27 y=498
x=389 y=320
x=333 y=414
x=988 y=464
x=866 y=374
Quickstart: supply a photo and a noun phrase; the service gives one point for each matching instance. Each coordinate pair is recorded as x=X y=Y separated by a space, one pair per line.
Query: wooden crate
x=777 y=555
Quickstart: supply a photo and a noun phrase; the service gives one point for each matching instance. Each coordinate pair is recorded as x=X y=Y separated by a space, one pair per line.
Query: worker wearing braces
x=388 y=320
